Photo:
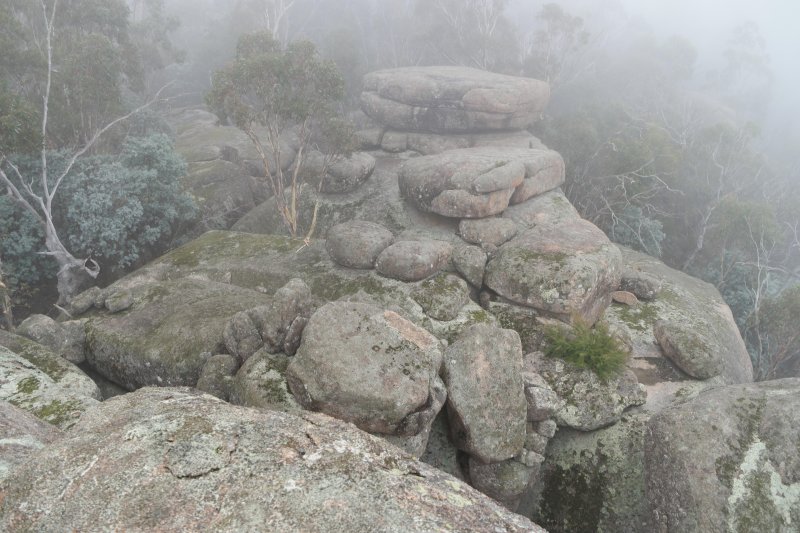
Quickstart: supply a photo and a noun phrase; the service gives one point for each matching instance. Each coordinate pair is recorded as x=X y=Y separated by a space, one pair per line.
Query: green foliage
x=595 y=349
x=116 y=209
x=21 y=237
x=780 y=334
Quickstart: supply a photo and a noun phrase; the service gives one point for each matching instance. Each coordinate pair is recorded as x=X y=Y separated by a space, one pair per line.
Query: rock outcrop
x=21 y=435
x=726 y=460
x=452 y=99
x=178 y=460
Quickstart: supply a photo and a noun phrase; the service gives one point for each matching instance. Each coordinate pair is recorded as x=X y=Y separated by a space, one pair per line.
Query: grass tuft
x=595 y=349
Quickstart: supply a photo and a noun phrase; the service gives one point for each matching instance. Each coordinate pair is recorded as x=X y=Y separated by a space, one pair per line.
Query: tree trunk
x=5 y=303
x=74 y=275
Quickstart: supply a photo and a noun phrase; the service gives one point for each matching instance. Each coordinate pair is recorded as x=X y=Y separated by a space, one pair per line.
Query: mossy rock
x=165 y=337
x=31 y=389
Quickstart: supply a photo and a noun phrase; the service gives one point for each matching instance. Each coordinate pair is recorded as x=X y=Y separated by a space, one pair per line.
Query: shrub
x=595 y=349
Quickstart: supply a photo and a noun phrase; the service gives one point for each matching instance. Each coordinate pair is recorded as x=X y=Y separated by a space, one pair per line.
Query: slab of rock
x=268 y=325
x=493 y=231
x=216 y=377
x=21 y=434
x=414 y=260
x=565 y=269
x=64 y=373
x=357 y=243
x=442 y=297
x=440 y=452
x=433 y=143
x=592 y=480
x=625 y=297
x=727 y=460
x=452 y=99
x=368 y=366
x=168 y=333
x=223 y=191
x=689 y=305
x=485 y=397
x=30 y=388
x=177 y=460
x=470 y=261
x=645 y=286
x=64 y=338
x=343 y=175
x=478 y=182
x=505 y=481
x=687 y=349
x=261 y=383
x=588 y=403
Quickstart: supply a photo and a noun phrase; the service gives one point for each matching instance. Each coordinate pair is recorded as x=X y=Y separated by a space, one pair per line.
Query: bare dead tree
x=36 y=193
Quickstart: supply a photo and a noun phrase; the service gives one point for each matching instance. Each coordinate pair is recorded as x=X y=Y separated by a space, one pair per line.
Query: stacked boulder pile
x=417 y=316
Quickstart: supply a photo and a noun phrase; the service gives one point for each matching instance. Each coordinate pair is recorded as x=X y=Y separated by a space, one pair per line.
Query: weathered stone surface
x=368 y=366
x=58 y=369
x=477 y=182
x=32 y=389
x=505 y=481
x=80 y=303
x=486 y=402
x=433 y=143
x=452 y=99
x=413 y=260
x=470 y=261
x=494 y=231
x=563 y=265
x=625 y=297
x=357 y=244
x=726 y=460
x=687 y=349
x=592 y=481
x=21 y=434
x=589 y=402
x=543 y=402
x=216 y=378
x=268 y=325
x=645 y=286
x=442 y=297
x=691 y=305
x=415 y=445
x=181 y=461
x=348 y=174
x=440 y=452
x=66 y=339
x=167 y=334
x=261 y=382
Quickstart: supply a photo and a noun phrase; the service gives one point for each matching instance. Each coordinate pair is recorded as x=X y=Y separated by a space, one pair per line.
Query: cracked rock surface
x=178 y=460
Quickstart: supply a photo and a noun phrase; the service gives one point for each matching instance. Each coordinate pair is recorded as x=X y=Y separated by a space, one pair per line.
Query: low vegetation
x=595 y=349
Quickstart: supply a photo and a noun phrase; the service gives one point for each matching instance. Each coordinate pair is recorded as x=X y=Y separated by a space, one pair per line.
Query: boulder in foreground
x=178 y=460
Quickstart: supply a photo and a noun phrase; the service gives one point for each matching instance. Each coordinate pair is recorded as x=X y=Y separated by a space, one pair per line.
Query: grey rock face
x=442 y=297
x=177 y=460
x=268 y=325
x=645 y=286
x=563 y=266
x=261 y=382
x=414 y=260
x=433 y=143
x=493 y=231
x=368 y=366
x=452 y=99
x=64 y=338
x=54 y=394
x=727 y=460
x=216 y=377
x=470 y=261
x=357 y=244
x=486 y=402
x=684 y=347
x=21 y=434
x=589 y=403
x=478 y=182
x=505 y=481
x=165 y=337
x=347 y=174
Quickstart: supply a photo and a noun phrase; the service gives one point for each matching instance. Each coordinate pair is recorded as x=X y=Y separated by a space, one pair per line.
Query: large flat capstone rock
x=727 y=460
x=372 y=367
x=452 y=99
x=479 y=182
x=561 y=265
x=179 y=460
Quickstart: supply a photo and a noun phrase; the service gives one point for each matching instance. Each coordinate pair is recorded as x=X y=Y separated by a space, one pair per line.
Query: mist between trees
x=679 y=146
